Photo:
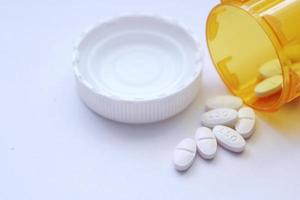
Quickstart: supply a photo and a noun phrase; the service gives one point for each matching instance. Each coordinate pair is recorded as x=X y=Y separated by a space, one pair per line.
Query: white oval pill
x=269 y=86
x=246 y=112
x=219 y=116
x=206 y=143
x=270 y=68
x=245 y=127
x=246 y=122
x=229 y=138
x=224 y=101
x=184 y=154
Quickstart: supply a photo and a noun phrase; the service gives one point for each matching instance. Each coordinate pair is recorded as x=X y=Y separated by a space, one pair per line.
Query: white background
x=52 y=147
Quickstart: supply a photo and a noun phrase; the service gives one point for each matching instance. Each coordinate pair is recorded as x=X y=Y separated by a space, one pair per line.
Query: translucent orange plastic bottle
x=244 y=34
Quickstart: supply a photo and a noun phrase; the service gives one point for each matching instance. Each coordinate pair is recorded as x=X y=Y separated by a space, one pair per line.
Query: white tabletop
x=54 y=147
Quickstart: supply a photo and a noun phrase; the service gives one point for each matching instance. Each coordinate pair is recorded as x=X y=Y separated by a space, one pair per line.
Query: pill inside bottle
x=248 y=47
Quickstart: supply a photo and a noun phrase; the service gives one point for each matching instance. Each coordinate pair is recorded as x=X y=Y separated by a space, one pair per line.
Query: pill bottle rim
x=283 y=98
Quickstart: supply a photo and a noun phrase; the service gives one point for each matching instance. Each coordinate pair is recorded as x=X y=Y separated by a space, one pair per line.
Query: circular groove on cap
x=139 y=109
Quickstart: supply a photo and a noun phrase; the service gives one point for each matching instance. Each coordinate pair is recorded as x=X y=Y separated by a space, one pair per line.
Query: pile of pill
x=226 y=123
x=272 y=75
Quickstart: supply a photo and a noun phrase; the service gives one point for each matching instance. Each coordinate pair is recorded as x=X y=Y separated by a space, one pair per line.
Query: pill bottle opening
x=239 y=46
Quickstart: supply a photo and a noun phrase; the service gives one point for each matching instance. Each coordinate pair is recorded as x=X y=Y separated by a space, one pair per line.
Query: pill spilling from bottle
x=272 y=79
x=225 y=123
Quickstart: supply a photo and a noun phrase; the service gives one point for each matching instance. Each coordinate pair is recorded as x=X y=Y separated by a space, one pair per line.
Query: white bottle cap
x=138 y=68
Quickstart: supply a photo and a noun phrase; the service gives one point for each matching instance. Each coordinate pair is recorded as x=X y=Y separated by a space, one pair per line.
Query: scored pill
x=224 y=101
x=246 y=122
x=269 y=86
x=184 y=154
x=219 y=116
x=245 y=127
x=206 y=143
x=229 y=138
x=270 y=68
